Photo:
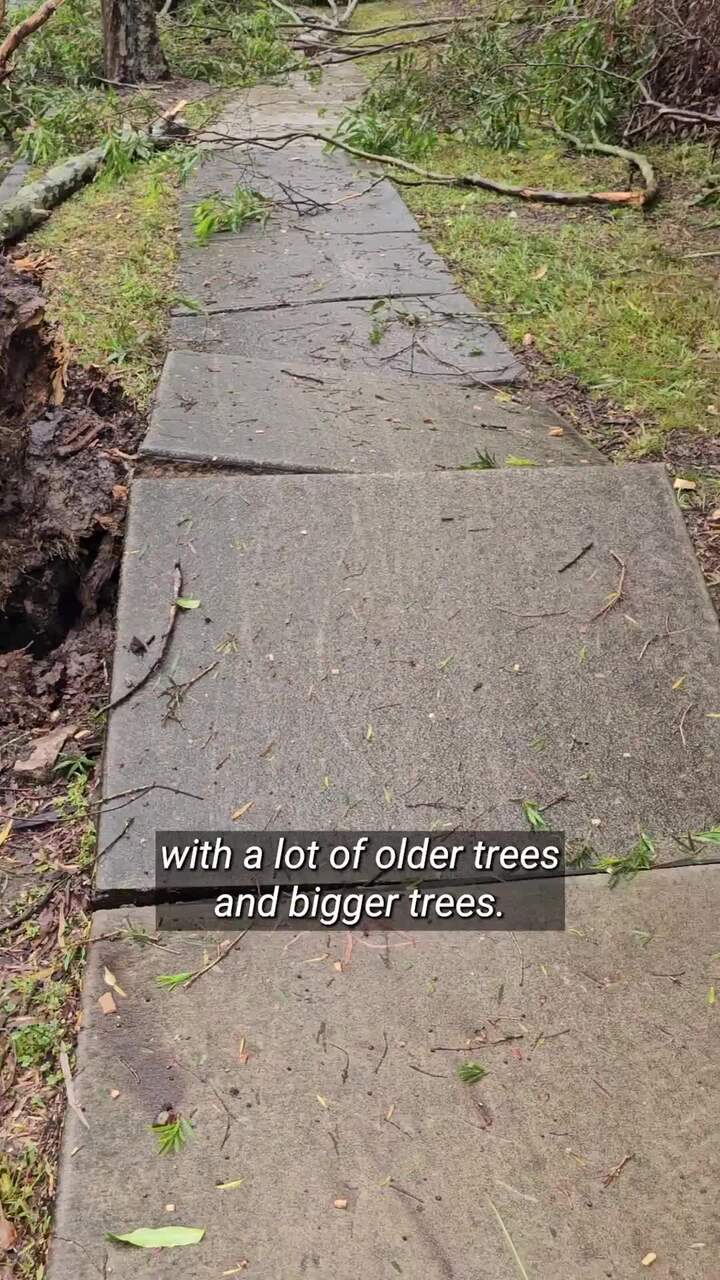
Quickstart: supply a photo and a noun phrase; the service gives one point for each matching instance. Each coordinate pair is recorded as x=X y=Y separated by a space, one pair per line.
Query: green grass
x=113 y=248
x=608 y=298
x=379 y=14
x=471 y=1072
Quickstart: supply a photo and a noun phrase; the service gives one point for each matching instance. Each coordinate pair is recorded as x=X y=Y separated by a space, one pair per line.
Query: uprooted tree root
x=65 y=439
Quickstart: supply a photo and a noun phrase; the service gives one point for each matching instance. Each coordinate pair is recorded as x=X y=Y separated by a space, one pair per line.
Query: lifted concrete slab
x=442 y=339
x=265 y=416
x=264 y=268
x=593 y=1140
x=437 y=609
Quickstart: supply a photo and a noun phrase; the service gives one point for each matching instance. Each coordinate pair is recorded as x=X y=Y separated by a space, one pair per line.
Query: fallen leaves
x=112 y=982
x=471 y=1072
x=8 y=1234
x=239 y=813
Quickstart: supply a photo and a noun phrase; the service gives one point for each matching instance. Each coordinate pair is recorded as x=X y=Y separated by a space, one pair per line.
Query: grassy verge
x=43 y=961
x=110 y=267
x=612 y=299
x=619 y=301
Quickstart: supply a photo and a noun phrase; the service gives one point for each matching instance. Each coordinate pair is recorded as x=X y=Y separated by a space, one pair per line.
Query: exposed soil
x=66 y=440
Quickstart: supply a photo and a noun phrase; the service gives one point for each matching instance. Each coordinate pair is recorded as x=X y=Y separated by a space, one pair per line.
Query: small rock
x=340 y=1204
x=44 y=753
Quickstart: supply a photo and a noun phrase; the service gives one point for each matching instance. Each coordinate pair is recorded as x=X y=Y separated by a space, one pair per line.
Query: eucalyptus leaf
x=159 y=1237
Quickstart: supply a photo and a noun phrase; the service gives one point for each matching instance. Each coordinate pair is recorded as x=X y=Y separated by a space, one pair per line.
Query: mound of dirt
x=67 y=437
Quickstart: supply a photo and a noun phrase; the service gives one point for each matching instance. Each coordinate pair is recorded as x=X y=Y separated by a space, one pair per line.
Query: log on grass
x=33 y=203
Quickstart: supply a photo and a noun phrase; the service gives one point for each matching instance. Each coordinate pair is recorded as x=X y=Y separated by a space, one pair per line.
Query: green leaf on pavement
x=159 y=1237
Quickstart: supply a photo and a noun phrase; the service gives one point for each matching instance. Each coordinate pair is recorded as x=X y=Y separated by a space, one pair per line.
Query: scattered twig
x=615 y=596
x=617 y=1170
x=509 y=1241
x=522 y=960
x=116 y=840
x=383 y=1055
x=222 y=953
x=583 y=552
x=683 y=718
x=177 y=692
x=164 y=645
x=33 y=907
x=70 y=1088
x=136 y=793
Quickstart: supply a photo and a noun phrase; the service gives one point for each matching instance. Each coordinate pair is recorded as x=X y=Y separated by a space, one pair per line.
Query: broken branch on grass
x=21 y=32
x=687 y=115
x=33 y=203
x=476 y=181
x=33 y=907
x=651 y=186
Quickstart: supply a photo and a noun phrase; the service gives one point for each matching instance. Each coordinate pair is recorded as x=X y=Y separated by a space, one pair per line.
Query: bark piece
x=44 y=753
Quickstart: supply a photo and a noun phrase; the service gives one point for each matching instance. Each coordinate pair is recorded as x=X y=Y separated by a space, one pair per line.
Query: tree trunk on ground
x=132 y=46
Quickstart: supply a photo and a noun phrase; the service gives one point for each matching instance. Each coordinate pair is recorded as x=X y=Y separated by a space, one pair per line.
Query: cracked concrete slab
x=441 y=339
x=259 y=267
x=264 y=415
x=437 y=609
x=294 y=103
x=309 y=187
x=321 y=1083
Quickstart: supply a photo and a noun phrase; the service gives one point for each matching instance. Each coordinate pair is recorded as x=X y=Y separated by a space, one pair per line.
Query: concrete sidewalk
x=535 y=632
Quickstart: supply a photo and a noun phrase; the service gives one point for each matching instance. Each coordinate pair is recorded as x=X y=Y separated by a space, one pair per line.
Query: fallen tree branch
x=297 y=21
x=20 y=33
x=352 y=53
x=476 y=181
x=686 y=114
x=32 y=204
x=635 y=158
